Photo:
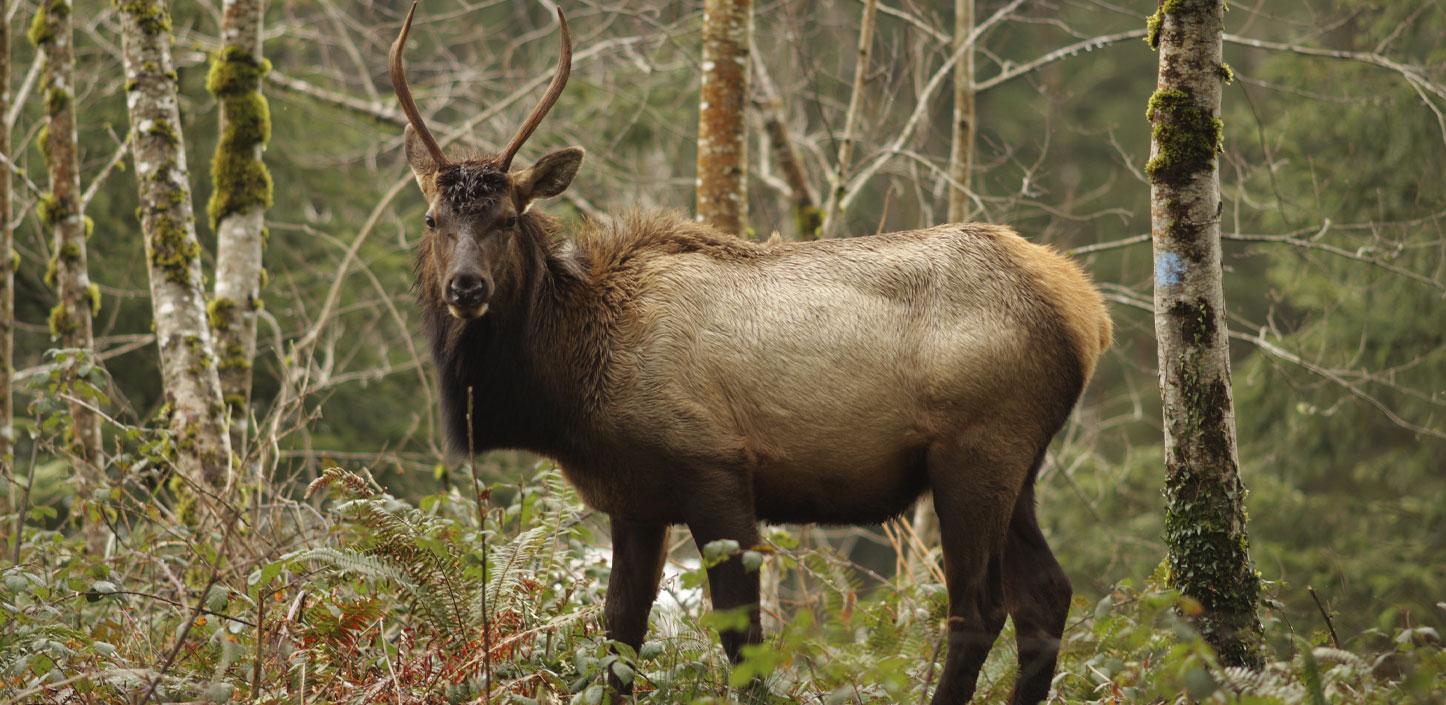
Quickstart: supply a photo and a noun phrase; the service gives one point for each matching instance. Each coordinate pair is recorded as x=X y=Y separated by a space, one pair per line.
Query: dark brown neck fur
x=509 y=359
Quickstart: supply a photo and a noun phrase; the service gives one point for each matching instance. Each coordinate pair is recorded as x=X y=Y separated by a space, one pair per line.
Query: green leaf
x=259 y=579
x=217 y=599
x=718 y=551
x=100 y=589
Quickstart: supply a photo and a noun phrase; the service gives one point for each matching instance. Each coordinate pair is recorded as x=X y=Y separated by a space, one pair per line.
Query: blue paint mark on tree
x=1169 y=269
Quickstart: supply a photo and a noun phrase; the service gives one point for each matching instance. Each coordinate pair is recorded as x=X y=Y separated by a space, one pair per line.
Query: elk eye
x=511 y=222
x=431 y=222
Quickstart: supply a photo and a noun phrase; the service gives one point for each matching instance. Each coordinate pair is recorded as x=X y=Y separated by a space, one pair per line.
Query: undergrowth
x=350 y=595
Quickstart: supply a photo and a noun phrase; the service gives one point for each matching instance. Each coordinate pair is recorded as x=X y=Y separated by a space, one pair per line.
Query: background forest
x=360 y=572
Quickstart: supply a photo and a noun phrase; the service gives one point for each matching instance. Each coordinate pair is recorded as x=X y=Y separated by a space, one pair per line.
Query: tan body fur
x=810 y=365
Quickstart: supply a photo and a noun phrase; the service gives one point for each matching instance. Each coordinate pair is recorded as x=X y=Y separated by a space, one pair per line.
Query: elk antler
x=554 y=89
x=404 y=94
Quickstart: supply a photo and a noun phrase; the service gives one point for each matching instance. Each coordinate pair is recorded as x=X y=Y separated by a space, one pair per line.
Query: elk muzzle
x=467 y=294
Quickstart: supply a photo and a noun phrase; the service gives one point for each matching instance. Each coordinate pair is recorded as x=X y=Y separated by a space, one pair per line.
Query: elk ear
x=423 y=167
x=550 y=176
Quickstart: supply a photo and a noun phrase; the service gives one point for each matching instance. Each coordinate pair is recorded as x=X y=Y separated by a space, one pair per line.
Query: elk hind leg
x=1038 y=594
x=974 y=495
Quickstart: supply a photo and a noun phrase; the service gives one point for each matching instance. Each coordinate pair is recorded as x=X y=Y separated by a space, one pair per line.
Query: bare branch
x=1012 y=72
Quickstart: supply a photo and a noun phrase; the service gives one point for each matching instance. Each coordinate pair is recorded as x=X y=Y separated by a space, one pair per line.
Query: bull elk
x=682 y=376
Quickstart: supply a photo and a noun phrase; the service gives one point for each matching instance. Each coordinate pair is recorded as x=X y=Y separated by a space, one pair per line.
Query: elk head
x=478 y=226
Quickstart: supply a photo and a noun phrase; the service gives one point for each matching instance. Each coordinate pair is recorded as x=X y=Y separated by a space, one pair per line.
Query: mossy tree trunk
x=8 y=264
x=838 y=180
x=722 y=131
x=961 y=152
x=173 y=255
x=1205 y=530
x=60 y=210
x=240 y=194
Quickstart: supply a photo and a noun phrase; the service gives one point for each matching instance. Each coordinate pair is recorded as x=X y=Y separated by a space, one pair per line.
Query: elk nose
x=465 y=289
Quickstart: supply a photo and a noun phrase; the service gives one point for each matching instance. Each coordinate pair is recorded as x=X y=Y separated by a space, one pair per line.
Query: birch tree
x=722 y=131
x=188 y=365
x=240 y=194
x=1205 y=533
x=961 y=152
x=60 y=210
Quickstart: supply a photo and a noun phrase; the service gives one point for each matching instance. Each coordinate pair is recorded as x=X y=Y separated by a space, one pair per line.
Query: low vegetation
x=352 y=595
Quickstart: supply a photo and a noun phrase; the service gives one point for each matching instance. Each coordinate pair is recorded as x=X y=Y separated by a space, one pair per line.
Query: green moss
x=248 y=121
x=56 y=100
x=199 y=353
x=1227 y=74
x=70 y=253
x=218 y=312
x=150 y=15
x=164 y=130
x=807 y=221
x=92 y=292
x=173 y=250
x=1189 y=136
x=240 y=181
x=42 y=28
x=42 y=141
x=1196 y=321
x=14 y=261
x=233 y=359
x=1209 y=557
x=49 y=210
x=1155 y=23
x=52 y=268
x=234 y=71
x=89 y=225
x=1152 y=27
x=60 y=323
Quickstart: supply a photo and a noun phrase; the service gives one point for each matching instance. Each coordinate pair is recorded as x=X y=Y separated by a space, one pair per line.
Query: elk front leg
x=722 y=508
x=639 y=551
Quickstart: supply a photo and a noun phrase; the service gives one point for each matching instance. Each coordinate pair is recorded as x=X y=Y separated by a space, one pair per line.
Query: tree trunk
x=1205 y=501
x=722 y=133
x=8 y=263
x=188 y=366
x=60 y=210
x=961 y=154
x=807 y=218
x=241 y=192
x=833 y=207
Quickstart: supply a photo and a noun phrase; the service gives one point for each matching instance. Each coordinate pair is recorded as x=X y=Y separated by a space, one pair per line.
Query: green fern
x=435 y=558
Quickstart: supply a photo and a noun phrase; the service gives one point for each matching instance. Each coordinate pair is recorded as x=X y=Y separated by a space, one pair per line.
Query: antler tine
x=404 y=93
x=554 y=89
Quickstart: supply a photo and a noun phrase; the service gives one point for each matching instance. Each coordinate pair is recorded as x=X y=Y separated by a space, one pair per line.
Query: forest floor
x=354 y=596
